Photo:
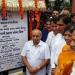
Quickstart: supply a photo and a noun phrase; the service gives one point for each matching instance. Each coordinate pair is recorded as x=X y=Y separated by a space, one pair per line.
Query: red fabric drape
x=73 y=6
x=21 y=9
x=30 y=24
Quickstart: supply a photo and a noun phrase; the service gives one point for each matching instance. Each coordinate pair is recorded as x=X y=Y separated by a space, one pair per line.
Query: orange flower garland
x=38 y=20
x=3 y=9
x=21 y=9
x=37 y=13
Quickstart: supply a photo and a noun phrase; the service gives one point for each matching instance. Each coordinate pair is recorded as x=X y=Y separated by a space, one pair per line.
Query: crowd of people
x=51 y=51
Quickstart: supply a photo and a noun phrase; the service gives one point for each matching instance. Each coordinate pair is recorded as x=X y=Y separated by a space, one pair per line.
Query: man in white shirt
x=35 y=54
x=56 y=42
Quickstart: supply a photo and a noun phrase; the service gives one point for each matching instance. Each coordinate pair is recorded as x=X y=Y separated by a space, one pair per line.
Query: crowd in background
x=58 y=32
x=56 y=24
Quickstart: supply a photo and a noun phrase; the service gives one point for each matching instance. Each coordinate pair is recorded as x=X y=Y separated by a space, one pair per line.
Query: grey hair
x=37 y=31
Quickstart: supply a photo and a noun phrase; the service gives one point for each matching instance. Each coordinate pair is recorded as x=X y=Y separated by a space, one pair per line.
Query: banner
x=13 y=35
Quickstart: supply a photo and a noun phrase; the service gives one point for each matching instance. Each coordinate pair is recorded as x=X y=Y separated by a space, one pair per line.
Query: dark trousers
x=24 y=69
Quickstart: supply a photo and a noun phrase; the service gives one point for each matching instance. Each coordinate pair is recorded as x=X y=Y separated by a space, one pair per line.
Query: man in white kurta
x=36 y=56
x=56 y=43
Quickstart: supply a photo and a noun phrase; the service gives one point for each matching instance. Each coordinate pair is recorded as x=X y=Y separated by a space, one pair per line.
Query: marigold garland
x=3 y=9
x=21 y=9
x=37 y=13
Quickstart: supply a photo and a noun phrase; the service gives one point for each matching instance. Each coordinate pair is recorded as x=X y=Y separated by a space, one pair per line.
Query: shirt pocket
x=41 y=55
x=28 y=53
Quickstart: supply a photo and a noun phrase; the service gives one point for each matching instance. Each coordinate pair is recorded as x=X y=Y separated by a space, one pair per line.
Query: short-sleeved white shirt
x=36 y=54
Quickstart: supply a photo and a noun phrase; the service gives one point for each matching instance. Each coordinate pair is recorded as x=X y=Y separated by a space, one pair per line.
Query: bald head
x=37 y=31
x=36 y=36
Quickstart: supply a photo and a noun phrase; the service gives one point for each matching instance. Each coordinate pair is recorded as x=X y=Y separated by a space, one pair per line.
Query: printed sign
x=13 y=35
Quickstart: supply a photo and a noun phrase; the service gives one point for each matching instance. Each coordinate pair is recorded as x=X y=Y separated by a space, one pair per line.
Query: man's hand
x=34 y=70
x=53 y=71
x=31 y=69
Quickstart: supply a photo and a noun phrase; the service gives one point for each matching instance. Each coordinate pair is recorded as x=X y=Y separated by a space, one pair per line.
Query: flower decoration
x=3 y=9
x=21 y=9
